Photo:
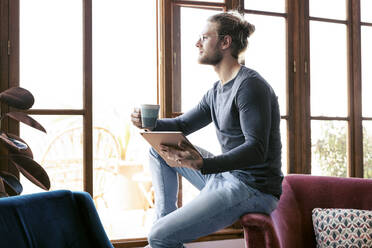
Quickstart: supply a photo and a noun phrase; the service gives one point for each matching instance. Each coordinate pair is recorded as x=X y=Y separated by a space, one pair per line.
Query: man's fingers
x=135 y=115
x=173 y=153
x=136 y=119
x=183 y=155
x=137 y=122
x=164 y=147
x=183 y=144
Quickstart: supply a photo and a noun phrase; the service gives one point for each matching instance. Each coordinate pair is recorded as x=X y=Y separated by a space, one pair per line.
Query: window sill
x=228 y=233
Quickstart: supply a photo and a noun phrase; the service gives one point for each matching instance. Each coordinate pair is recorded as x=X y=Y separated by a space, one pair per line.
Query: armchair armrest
x=259 y=231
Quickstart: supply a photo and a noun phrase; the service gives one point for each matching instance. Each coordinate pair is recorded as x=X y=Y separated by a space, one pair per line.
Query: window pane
x=265 y=5
x=329 y=144
x=332 y=9
x=51 y=52
x=283 y=133
x=266 y=53
x=196 y=79
x=328 y=69
x=195 y=76
x=367 y=148
x=189 y=192
x=366 y=10
x=366 y=70
x=124 y=76
x=59 y=152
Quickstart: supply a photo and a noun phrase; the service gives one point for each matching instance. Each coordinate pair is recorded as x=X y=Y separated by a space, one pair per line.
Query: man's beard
x=212 y=59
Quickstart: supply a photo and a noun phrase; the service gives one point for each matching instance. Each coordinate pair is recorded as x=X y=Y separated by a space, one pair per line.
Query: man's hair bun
x=232 y=23
x=248 y=28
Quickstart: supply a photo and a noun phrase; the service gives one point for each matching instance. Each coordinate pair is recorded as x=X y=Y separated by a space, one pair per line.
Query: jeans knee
x=156 y=235
x=160 y=236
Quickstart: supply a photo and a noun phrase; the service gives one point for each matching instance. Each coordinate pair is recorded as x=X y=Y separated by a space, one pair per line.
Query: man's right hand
x=136 y=118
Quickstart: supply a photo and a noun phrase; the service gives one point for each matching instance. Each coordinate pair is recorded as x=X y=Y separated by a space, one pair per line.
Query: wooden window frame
x=354 y=116
x=169 y=83
x=298 y=78
x=86 y=112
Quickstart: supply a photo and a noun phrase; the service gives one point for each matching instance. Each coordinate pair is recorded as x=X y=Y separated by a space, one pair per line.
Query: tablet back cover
x=165 y=138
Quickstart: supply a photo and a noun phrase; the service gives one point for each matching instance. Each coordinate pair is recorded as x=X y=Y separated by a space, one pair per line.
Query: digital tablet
x=155 y=138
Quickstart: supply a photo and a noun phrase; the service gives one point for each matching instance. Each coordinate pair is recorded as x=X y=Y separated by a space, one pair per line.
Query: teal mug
x=149 y=115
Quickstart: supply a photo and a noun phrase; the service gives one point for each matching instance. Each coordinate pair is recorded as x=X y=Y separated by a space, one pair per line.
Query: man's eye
x=204 y=38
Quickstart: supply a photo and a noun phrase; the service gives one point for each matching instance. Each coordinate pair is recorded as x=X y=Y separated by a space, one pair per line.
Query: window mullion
x=87 y=98
x=234 y=4
x=11 y=125
x=299 y=97
x=176 y=72
x=12 y=60
x=355 y=140
x=292 y=53
x=166 y=58
x=4 y=62
x=305 y=68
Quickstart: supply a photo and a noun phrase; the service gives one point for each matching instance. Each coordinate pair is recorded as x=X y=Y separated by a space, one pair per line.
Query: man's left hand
x=184 y=154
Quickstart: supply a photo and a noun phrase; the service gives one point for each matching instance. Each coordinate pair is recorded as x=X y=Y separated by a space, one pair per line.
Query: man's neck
x=227 y=69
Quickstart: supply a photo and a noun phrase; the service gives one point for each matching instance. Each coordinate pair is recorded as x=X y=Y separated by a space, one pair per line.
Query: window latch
x=8 y=47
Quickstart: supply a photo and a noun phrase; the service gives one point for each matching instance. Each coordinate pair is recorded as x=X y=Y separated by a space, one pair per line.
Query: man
x=247 y=176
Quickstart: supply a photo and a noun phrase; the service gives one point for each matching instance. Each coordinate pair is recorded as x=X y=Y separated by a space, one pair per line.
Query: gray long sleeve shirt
x=246 y=116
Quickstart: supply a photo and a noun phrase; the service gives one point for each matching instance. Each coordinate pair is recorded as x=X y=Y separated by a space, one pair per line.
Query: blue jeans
x=223 y=199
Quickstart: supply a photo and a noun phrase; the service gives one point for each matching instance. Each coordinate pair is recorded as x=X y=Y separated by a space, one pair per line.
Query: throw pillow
x=347 y=228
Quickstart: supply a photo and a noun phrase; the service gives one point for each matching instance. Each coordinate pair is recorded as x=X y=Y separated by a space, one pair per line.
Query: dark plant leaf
x=23 y=117
x=12 y=144
x=11 y=183
x=31 y=170
x=3 y=194
x=9 y=190
x=17 y=97
x=11 y=164
x=27 y=152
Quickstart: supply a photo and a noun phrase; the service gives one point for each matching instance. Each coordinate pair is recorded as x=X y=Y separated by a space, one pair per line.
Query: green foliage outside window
x=330 y=151
x=367 y=150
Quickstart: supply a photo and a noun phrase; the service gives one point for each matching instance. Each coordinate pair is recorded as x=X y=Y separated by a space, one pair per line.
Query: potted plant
x=14 y=150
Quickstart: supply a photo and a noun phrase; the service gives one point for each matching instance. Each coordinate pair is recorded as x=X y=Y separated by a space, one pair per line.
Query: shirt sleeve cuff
x=209 y=166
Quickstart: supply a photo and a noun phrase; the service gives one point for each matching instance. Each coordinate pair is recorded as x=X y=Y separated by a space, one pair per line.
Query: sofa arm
x=259 y=231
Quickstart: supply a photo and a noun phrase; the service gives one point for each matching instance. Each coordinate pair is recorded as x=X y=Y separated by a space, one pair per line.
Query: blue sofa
x=55 y=219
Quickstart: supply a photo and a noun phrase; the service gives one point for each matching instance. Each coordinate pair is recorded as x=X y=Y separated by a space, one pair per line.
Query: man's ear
x=226 y=42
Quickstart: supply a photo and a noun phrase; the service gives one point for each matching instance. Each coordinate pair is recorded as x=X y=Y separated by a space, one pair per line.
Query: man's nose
x=198 y=43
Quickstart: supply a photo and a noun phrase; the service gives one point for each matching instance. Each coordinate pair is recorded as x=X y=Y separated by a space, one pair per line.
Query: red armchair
x=290 y=225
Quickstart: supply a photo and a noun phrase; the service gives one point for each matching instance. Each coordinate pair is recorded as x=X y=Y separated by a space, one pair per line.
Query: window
x=86 y=77
x=50 y=59
x=195 y=76
x=328 y=73
x=269 y=58
x=338 y=137
x=274 y=6
x=260 y=55
x=314 y=72
x=366 y=48
x=124 y=75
